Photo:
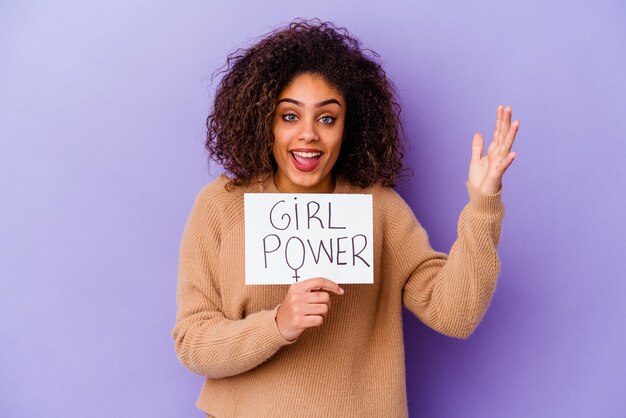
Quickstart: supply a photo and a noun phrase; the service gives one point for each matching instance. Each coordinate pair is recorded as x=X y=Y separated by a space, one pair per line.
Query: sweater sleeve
x=206 y=341
x=451 y=293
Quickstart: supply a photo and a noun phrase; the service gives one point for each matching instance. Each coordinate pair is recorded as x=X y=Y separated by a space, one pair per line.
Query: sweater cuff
x=484 y=203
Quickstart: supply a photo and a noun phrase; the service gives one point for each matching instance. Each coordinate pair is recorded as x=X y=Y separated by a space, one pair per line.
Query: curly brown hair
x=240 y=125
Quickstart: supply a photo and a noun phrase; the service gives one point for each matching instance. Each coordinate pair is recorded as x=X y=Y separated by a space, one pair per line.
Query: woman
x=306 y=110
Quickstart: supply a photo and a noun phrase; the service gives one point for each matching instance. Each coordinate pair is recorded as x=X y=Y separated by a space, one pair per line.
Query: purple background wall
x=102 y=110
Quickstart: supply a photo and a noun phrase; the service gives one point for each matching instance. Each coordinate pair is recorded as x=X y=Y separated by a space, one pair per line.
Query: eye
x=328 y=120
x=289 y=117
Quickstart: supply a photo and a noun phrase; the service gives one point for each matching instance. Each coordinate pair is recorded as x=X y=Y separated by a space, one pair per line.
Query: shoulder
x=217 y=202
x=220 y=202
x=216 y=193
x=220 y=193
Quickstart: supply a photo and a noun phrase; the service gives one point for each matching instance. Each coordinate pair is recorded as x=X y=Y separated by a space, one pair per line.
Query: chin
x=308 y=181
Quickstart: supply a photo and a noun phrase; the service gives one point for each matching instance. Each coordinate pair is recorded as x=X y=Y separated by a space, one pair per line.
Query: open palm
x=485 y=172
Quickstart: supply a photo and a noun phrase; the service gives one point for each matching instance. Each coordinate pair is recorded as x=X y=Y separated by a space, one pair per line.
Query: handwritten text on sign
x=293 y=237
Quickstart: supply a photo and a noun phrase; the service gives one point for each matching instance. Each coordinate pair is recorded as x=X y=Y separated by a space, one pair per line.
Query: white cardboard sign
x=293 y=237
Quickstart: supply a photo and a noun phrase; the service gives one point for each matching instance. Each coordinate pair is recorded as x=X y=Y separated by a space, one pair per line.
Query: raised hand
x=485 y=172
x=305 y=305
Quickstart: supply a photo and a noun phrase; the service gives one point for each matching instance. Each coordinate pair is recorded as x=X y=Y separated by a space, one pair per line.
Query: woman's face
x=308 y=129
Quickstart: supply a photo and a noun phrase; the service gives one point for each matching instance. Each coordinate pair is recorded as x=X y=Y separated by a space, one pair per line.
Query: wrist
x=287 y=336
x=490 y=187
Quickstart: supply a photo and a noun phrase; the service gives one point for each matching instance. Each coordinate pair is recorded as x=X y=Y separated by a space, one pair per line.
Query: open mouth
x=306 y=160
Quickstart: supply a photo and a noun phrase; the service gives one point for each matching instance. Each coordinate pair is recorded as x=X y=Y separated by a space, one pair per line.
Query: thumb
x=477 y=146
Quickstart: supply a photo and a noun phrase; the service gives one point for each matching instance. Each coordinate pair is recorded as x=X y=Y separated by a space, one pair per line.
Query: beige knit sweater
x=353 y=365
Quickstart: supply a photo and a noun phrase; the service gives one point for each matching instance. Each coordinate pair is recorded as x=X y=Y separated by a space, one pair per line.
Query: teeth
x=307 y=154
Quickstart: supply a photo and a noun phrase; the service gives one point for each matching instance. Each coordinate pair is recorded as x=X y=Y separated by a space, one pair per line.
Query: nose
x=309 y=132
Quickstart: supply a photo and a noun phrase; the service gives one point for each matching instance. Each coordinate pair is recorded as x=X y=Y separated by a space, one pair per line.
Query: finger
x=312 y=321
x=317 y=296
x=510 y=138
x=498 y=121
x=508 y=160
x=315 y=309
x=320 y=283
x=506 y=124
x=478 y=145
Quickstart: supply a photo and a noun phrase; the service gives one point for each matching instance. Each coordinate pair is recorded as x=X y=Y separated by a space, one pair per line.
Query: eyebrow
x=298 y=103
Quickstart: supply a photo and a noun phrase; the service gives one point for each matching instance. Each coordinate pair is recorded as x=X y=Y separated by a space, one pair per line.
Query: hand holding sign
x=305 y=305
